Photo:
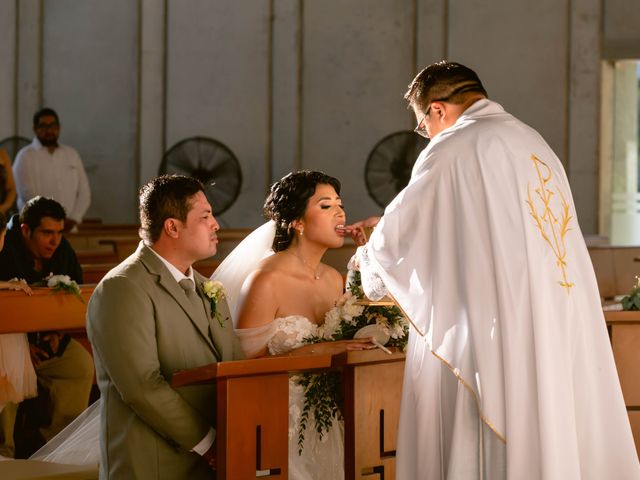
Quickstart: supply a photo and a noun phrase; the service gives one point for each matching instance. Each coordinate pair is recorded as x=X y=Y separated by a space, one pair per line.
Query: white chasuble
x=509 y=370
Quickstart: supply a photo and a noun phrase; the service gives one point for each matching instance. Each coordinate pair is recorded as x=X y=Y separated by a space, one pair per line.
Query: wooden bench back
x=615 y=268
x=44 y=310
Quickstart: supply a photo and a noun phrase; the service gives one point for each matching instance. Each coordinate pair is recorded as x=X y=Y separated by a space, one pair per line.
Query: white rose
x=54 y=280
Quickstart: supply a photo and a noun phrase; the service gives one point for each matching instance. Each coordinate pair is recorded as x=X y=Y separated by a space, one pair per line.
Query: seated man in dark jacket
x=34 y=248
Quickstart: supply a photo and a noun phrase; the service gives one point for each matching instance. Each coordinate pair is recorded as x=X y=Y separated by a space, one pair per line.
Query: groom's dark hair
x=167 y=196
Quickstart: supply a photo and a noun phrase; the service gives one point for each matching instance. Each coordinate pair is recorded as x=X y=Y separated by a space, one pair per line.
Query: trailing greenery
x=322 y=400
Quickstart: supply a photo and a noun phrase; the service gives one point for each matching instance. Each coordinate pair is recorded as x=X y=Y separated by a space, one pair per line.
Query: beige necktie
x=190 y=290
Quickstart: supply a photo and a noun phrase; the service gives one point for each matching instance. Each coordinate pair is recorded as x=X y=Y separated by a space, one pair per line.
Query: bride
x=285 y=296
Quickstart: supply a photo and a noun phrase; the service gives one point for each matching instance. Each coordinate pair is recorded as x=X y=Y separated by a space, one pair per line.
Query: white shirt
x=204 y=444
x=59 y=175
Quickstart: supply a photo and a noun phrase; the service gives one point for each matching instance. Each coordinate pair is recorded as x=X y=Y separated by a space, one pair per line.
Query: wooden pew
x=44 y=310
x=373 y=387
x=615 y=269
x=253 y=397
x=624 y=328
x=252 y=412
x=94 y=272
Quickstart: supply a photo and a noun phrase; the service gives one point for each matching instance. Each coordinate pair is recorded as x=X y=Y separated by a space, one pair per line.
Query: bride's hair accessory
x=288 y=200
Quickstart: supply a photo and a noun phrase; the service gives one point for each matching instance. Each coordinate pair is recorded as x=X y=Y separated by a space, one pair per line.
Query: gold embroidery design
x=552 y=227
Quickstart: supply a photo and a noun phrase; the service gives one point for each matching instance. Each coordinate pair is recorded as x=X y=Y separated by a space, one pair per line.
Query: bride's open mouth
x=340 y=230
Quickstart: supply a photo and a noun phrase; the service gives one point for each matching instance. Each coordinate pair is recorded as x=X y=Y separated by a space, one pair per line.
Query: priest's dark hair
x=39 y=207
x=166 y=196
x=288 y=200
x=445 y=82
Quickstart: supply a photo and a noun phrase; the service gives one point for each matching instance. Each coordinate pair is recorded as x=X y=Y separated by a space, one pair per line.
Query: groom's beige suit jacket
x=142 y=329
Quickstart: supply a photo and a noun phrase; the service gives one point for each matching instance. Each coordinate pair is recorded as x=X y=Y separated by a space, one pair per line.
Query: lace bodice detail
x=280 y=336
x=289 y=333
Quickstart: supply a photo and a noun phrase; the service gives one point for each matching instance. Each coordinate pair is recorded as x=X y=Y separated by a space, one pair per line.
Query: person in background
x=7 y=185
x=50 y=169
x=34 y=248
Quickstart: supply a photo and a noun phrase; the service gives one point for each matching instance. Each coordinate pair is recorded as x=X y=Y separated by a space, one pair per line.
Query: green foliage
x=321 y=391
x=321 y=400
x=632 y=301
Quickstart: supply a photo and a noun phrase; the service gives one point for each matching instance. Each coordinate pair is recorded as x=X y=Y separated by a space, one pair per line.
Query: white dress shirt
x=59 y=175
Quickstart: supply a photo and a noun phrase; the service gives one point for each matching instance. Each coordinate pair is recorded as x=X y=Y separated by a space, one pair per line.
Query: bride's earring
x=301 y=231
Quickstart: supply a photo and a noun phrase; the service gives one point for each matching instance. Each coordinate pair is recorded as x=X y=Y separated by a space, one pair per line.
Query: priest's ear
x=438 y=110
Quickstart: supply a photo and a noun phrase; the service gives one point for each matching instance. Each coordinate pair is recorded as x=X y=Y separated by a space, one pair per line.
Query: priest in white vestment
x=509 y=370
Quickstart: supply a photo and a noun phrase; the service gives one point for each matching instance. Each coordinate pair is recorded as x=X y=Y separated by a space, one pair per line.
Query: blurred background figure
x=7 y=185
x=50 y=169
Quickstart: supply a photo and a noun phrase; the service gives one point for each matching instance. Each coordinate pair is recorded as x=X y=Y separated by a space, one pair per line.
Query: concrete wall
x=291 y=84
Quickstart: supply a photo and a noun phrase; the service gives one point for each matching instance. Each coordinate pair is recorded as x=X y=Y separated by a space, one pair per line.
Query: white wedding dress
x=321 y=458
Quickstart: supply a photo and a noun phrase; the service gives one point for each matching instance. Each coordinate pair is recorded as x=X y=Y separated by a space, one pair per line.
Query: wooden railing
x=44 y=310
x=253 y=405
x=624 y=328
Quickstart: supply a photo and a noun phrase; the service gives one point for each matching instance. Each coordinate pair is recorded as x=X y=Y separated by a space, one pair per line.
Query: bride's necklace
x=316 y=273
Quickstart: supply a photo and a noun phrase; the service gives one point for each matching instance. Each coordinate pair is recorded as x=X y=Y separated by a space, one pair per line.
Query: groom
x=148 y=318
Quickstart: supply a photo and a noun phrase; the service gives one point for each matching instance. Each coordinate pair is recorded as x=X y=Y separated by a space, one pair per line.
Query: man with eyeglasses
x=509 y=370
x=53 y=170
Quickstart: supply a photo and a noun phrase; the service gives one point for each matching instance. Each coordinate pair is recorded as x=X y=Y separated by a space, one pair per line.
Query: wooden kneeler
x=252 y=434
x=372 y=390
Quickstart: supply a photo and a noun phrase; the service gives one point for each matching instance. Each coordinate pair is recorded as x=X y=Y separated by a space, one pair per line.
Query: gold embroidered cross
x=552 y=227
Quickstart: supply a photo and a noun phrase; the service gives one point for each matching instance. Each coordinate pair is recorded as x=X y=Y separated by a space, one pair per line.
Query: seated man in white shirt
x=49 y=169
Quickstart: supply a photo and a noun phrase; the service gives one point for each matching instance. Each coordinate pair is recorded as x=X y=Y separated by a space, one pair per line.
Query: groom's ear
x=171 y=227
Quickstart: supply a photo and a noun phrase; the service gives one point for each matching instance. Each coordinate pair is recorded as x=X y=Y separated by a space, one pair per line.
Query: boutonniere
x=214 y=291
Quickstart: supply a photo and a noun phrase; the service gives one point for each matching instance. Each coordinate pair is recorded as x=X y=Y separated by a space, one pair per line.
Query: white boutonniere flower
x=214 y=291
x=63 y=283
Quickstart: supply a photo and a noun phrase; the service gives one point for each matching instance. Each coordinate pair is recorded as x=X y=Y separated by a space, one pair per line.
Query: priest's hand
x=358 y=230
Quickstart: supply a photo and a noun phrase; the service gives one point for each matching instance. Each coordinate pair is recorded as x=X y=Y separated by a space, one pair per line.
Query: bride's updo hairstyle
x=288 y=200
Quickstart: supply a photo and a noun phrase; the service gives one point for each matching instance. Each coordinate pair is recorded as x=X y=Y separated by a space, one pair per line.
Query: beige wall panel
x=358 y=60
x=520 y=50
x=217 y=86
x=90 y=78
x=621 y=19
x=7 y=72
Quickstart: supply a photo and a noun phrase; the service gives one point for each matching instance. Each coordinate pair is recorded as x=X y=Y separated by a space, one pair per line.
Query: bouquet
x=342 y=322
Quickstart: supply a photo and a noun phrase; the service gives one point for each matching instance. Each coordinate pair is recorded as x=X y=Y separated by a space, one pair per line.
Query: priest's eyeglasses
x=421 y=128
